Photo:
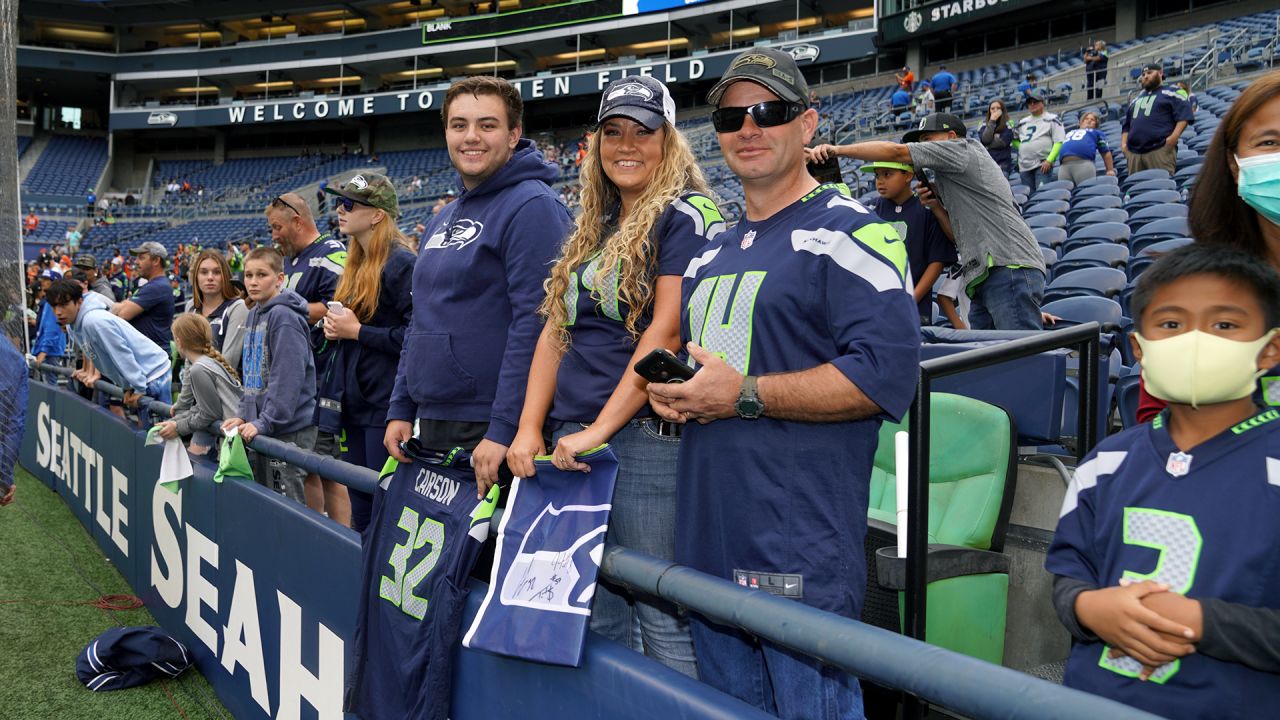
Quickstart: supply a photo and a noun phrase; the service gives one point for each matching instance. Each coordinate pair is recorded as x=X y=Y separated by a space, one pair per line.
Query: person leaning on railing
x=212 y=390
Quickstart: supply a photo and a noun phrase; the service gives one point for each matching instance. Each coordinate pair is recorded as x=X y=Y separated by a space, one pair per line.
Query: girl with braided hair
x=212 y=390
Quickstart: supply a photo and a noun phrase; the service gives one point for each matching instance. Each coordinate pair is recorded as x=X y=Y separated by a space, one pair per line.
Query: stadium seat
x=972 y=474
x=1152 y=174
x=1111 y=232
x=1051 y=194
x=1099 y=282
x=1050 y=259
x=1078 y=310
x=1151 y=213
x=1050 y=220
x=1054 y=185
x=1151 y=197
x=1158 y=230
x=1040 y=207
x=1097 y=216
x=1098 y=181
x=1127 y=394
x=1096 y=255
x=1050 y=237
x=1149 y=185
x=1096 y=202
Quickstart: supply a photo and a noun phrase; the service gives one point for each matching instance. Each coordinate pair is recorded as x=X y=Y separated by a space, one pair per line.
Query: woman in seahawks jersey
x=614 y=296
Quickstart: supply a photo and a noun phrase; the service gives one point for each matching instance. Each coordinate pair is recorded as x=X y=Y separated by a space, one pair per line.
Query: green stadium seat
x=972 y=473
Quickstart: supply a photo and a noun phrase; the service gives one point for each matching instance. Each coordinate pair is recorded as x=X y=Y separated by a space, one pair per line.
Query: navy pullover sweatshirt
x=477 y=285
x=278 y=370
x=357 y=376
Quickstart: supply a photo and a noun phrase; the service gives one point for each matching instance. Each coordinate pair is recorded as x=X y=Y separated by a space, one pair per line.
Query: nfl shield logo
x=1179 y=464
x=747 y=239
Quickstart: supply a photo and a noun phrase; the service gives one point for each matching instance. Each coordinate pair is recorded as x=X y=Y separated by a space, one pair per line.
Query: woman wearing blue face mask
x=1236 y=200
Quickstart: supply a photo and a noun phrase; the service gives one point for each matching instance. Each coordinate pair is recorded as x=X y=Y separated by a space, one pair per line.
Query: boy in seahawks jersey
x=424 y=536
x=1164 y=557
x=929 y=250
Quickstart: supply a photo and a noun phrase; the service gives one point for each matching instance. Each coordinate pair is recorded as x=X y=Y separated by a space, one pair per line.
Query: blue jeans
x=776 y=680
x=1009 y=299
x=643 y=519
x=1032 y=179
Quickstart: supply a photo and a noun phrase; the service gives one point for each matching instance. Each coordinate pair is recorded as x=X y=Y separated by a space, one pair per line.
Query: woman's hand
x=343 y=326
x=569 y=447
x=524 y=448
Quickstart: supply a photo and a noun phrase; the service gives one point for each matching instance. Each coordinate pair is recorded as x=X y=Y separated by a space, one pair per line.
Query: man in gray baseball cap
x=150 y=308
x=97 y=283
x=791 y=362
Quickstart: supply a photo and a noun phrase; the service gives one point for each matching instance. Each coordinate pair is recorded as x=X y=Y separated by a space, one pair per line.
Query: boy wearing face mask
x=1164 y=553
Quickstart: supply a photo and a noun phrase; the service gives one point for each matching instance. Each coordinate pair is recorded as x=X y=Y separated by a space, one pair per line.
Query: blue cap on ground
x=130 y=656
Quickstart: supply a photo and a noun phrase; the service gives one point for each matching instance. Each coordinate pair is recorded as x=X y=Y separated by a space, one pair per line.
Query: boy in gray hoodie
x=278 y=372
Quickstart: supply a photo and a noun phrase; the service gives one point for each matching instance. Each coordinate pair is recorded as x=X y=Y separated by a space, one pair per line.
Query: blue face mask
x=1259 y=184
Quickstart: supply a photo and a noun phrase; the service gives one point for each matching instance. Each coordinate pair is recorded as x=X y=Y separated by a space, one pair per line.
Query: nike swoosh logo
x=788 y=586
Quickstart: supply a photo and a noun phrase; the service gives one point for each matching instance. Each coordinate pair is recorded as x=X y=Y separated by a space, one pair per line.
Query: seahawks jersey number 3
x=426 y=532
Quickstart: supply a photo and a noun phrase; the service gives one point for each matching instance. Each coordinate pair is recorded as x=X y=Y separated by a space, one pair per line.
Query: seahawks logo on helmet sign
x=753 y=59
x=631 y=89
x=358 y=182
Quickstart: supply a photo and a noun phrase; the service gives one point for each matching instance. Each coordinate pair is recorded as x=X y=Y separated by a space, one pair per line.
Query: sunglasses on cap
x=765 y=114
x=348 y=204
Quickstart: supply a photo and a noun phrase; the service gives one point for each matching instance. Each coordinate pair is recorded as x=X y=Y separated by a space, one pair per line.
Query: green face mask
x=1196 y=368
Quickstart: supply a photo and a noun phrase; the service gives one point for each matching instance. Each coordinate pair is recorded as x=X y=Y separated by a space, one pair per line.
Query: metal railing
x=926 y=673
x=1086 y=338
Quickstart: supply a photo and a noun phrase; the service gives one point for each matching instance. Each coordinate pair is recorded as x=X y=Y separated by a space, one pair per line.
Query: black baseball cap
x=935 y=122
x=640 y=98
x=774 y=69
x=1033 y=96
x=1153 y=66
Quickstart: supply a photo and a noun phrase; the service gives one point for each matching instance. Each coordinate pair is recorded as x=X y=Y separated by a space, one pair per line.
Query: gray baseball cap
x=640 y=98
x=152 y=248
x=774 y=69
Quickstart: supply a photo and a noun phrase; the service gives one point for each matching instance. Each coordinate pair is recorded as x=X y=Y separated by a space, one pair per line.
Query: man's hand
x=926 y=196
x=1112 y=173
x=820 y=153
x=1048 y=318
x=131 y=398
x=710 y=395
x=1171 y=141
x=248 y=431
x=168 y=429
x=398 y=431
x=524 y=448
x=40 y=358
x=1118 y=617
x=7 y=497
x=486 y=459
x=1045 y=167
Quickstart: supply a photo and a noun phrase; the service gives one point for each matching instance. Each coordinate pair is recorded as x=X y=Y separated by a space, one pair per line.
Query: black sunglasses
x=348 y=204
x=278 y=201
x=765 y=114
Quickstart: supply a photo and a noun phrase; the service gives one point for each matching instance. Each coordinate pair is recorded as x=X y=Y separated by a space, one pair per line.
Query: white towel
x=175 y=466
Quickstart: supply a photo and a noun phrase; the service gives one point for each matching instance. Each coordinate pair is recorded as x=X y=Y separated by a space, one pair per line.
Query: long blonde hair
x=630 y=251
x=361 y=281
x=193 y=333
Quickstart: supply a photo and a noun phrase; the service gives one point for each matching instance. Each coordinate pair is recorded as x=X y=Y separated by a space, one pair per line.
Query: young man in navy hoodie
x=477 y=285
x=278 y=371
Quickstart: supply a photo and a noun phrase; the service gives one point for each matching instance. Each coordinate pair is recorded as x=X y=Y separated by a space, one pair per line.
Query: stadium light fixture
x=674 y=42
x=592 y=54
x=275 y=85
x=344 y=80
x=430 y=72
x=196 y=90
x=344 y=23
x=491 y=65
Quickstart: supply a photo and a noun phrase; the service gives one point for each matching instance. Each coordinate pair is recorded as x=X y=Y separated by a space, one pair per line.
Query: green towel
x=232 y=460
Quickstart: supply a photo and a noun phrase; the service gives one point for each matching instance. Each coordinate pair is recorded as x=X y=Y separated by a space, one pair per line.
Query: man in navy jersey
x=1164 y=556
x=807 y=336
x=477 y=285
x=313 y=262
x=929 y=250
x=150 y=309
x=1152 y=124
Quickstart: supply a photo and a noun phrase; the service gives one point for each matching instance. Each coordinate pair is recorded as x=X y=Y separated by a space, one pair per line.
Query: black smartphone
x=924 y=180
x=660 y=366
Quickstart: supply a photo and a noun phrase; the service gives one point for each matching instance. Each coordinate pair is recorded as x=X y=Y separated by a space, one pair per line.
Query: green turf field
x=47 y=558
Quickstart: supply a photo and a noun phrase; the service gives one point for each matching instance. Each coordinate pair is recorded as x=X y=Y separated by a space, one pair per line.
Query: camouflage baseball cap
x=370 y=189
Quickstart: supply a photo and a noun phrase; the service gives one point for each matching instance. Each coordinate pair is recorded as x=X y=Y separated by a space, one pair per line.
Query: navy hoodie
x=277 y=367
x=477 y=286
x=357 y=376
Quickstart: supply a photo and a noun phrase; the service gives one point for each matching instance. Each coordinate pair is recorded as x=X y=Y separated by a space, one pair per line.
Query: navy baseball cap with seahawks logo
x=935 y=122
x=775 y=69
x=640 y=98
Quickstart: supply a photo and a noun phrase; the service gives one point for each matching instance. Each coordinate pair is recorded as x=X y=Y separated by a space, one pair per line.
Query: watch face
x=749 y=408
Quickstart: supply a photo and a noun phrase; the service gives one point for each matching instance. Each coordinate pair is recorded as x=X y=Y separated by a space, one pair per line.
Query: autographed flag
x=550 y=544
